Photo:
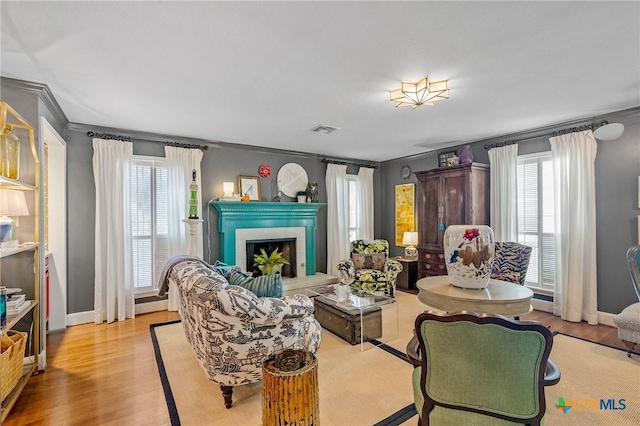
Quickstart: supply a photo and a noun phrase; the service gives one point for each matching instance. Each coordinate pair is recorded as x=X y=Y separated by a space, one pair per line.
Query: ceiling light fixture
x=424 y=92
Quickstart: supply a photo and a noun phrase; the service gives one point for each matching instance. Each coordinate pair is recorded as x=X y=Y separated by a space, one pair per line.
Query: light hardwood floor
x=107 y=374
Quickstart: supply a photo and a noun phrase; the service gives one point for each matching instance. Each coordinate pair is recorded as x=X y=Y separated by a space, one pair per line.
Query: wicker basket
x=12 y=346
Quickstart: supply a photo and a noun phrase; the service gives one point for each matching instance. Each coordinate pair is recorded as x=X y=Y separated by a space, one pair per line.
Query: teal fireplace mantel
x=239 y=215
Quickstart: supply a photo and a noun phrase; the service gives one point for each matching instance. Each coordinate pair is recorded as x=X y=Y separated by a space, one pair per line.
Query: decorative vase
x=9 y=153
x=468 y=253
x=466 y=155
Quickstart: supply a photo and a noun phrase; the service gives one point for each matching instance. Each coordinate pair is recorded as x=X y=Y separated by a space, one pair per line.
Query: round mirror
x=291 y=179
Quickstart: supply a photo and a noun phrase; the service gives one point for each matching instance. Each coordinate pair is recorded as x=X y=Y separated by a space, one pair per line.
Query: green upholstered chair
x=510 y=262
x=480 y=369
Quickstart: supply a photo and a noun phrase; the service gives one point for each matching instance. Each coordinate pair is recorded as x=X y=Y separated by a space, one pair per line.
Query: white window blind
x=354 y=210
x=148 y=222
x=535 y=217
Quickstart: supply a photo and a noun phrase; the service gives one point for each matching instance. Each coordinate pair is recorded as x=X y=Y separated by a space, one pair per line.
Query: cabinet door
x=428 y=206
x=455 y=198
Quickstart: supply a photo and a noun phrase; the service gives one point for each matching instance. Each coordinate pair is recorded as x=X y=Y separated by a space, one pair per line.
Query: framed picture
x=250 y=185
x=447 y=159
x=405 y=211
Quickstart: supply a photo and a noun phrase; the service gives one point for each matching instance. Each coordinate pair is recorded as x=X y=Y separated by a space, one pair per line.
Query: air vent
x=323 y=128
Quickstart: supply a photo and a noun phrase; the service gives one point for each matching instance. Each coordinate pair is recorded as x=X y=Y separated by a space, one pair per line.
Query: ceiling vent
x=323 y=128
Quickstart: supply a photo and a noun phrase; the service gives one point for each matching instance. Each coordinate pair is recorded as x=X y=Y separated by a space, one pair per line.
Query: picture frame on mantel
x=250 y=185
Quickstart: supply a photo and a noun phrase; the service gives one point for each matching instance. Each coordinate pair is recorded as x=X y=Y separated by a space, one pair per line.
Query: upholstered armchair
x=510 y=262
x=230 y=329
x=370 y=268
x=628 y=321
x=480 y=369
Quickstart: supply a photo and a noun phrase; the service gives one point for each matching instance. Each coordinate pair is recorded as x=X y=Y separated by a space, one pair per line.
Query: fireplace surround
x=240 y=222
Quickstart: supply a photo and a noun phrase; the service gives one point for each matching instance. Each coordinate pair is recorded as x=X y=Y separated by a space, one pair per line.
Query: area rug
x=374 y=387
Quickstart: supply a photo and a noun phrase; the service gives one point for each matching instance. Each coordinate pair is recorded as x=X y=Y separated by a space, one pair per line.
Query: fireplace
x=286 y=246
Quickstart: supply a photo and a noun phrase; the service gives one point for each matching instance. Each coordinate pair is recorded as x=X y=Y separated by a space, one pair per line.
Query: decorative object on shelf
x=13 y=344
x=410 y=239
x=405 y=171
x=3 y=307
x=312 y=192
x=302 y=196
x=249 y=186
x=443 y=158
x=405 y=212
x=264 y=171
x=609 y=131
x=12 y=203
x=9 y=153
x=468 y=254
x=291 y=179
x=193 y=196
x=227 y=192
x=466 y=155
x=270 y=263
x=424 y=92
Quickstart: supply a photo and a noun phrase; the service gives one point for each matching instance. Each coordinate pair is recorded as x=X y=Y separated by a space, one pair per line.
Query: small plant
x=269 y=264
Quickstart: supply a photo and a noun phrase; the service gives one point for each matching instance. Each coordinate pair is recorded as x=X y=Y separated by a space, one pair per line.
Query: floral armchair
x=370 y=268
x=230 y=329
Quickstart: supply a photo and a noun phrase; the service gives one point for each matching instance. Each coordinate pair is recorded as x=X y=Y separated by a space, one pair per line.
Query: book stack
x=16 y=304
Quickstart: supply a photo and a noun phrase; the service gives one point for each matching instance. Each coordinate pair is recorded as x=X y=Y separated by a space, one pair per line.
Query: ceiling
x=265 y=73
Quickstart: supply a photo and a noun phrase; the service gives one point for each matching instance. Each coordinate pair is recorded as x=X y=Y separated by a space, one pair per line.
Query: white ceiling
x=265 y=73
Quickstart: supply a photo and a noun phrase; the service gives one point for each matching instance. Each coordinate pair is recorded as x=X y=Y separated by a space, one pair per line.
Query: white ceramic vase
x=468 y=253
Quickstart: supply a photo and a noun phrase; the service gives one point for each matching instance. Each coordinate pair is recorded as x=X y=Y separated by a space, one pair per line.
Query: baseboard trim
x=141 y=308
x=604 y=318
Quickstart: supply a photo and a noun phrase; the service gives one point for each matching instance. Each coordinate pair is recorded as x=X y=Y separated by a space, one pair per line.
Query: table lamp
x=410 y=239
x=12 y=203
x=227 y=189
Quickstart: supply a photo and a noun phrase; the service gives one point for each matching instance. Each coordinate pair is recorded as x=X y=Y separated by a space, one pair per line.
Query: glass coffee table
x=355 y=316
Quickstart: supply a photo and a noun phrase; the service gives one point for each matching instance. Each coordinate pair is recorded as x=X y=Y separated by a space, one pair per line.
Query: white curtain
x=365 y=202
x=337 y=216
x=180 y=164
x=503 y=192
x=575 y=295
x=114 y=298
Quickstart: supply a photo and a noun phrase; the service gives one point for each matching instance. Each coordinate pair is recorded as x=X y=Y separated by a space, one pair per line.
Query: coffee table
x=355 y=316
x=499 y=297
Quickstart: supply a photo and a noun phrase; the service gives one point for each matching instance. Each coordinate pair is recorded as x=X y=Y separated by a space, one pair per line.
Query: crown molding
x=44 y=94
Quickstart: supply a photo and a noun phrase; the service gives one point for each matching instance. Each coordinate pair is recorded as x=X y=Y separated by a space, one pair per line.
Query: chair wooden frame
x=548 y=376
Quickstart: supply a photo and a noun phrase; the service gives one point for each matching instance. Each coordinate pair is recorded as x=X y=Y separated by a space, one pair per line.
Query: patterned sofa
x=370 y=268
x=230 y=329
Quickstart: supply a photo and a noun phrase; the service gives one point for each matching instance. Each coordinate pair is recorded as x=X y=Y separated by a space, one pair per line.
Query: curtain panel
x=114 y=297
x=337 y=216
x=365 y=202
x=180 y=165
x=503 y=193
x=575 y=295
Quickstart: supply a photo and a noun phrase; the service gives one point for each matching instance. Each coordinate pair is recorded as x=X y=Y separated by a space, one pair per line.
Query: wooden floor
x=107 y=374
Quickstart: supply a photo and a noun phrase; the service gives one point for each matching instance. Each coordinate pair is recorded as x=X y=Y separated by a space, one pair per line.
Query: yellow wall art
x=405 y=211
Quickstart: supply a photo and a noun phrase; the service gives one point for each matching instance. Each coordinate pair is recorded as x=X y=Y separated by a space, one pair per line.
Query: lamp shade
x=410 y=238
x=227 y=189
x=13 y=203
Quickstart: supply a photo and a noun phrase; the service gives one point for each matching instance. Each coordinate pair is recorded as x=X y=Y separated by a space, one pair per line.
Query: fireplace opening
x=286 y=246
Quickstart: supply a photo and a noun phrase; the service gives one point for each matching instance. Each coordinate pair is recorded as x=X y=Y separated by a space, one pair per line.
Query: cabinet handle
x=427 y=266
x=441 y=266
x=427 y=256
x=441 y=256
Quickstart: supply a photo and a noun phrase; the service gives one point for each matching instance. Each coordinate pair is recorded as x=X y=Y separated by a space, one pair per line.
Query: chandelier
x=424 y=92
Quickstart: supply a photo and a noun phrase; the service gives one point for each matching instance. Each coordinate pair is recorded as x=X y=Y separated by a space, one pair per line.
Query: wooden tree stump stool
x=290 y=389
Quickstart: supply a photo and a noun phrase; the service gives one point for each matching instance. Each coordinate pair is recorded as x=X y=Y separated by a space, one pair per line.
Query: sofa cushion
x=224 y=269
x=369 y=260
x=262 y=286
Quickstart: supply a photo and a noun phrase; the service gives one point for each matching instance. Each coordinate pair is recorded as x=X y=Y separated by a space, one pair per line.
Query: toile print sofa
x=230 y=329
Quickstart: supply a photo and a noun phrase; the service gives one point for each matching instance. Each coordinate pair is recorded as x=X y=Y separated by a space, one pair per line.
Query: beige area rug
x=374 y=386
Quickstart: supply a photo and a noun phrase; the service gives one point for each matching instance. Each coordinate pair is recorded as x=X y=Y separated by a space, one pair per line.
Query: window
x=149 y=224
x=355 y=230
x=536 y=218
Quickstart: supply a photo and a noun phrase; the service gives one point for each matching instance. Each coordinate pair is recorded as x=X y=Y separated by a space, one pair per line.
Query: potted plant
x=302 y=196
x=269 y=263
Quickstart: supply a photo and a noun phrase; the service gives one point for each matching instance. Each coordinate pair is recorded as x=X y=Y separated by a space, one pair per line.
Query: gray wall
x=220 y=163
x=617 y=169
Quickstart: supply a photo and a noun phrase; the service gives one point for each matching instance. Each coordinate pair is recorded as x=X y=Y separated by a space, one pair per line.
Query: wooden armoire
x=456 y=195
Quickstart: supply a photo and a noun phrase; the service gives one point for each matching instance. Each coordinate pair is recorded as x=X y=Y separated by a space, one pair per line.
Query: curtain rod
x=592 y=126
x=110 y=136
x=343 y=163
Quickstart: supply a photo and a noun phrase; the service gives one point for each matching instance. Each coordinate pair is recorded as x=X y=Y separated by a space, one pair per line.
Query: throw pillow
x=223 y=269
x=262 y=286
x=369 y=261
